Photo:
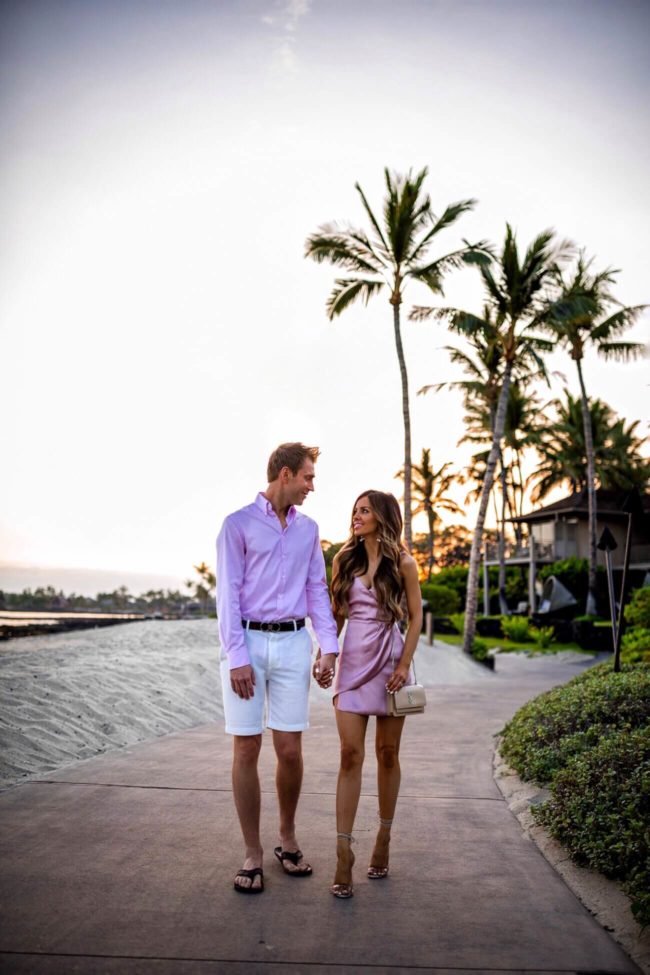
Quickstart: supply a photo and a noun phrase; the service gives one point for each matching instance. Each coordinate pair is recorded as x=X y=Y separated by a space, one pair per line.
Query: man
x=270 y=576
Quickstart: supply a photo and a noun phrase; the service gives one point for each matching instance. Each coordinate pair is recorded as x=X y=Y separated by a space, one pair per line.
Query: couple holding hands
x=270 y=576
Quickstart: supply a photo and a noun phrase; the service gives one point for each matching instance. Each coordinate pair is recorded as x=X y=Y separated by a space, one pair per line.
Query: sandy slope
x=65 y=697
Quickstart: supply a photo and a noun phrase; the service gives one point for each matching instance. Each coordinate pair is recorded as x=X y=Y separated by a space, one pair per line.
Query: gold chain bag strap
x=410 y=699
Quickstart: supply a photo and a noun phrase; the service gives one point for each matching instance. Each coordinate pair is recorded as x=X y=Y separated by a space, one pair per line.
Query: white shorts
x=282 y=665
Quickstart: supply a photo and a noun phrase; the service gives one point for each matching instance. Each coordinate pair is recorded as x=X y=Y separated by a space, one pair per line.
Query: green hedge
x=568 y=720
x=635 y=645
x=455 y=577
x=600 y=810
x=441 y=599
x=637 y=611
x=590 y=740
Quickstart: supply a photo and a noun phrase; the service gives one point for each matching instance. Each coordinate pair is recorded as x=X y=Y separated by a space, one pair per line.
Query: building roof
x=610 y=504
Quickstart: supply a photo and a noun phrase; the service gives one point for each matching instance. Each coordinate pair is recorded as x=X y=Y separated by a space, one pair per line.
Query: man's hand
x=242 y=681
x=324 y=669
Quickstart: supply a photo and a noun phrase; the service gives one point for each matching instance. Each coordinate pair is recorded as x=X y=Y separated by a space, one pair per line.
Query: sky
x=161 y=166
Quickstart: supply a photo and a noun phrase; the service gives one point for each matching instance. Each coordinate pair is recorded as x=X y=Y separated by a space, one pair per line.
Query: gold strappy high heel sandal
x=379 y=873
x=344 y=891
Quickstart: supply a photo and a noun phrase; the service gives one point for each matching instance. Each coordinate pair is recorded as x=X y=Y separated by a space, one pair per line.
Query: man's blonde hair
x=291 y=455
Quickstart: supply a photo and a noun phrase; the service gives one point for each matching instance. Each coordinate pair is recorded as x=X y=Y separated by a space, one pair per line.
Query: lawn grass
x=507 y=646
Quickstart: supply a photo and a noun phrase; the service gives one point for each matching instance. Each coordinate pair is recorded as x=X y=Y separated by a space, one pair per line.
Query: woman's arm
x=409 y=573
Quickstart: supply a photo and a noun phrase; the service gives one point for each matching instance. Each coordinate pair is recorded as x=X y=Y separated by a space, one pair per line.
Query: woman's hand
x=397 y=679
x=324 y=669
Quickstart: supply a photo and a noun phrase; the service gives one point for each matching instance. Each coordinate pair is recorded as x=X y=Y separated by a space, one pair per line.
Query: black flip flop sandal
x=255 y=872
x=294 y=858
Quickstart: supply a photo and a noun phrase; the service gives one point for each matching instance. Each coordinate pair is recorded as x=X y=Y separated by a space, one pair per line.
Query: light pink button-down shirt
x=268 y=573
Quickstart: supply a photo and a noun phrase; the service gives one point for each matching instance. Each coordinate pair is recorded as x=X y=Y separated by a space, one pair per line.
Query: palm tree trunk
x=518 y=510
x=503 y=605
x=395 y=301
x=477 y=539
x=430 y=517
x=591 y=607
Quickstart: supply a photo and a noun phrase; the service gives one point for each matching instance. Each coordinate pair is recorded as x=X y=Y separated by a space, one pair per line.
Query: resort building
x=561 y=531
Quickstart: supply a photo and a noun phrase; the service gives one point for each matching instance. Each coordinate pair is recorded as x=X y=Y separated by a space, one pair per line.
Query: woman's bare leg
x=387 y=741
x=352 y=732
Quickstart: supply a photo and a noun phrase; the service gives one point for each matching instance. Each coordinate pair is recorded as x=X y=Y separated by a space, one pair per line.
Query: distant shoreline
x=15 y=576
x=38 y=623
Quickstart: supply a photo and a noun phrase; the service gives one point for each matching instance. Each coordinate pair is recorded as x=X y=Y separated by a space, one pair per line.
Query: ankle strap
x=345 y=836
x=385 y=822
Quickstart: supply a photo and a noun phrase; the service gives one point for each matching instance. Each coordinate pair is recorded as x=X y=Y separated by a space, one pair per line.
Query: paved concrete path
x=124 y=863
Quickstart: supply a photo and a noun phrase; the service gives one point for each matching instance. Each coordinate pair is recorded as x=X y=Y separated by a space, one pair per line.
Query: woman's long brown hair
x=353 y=559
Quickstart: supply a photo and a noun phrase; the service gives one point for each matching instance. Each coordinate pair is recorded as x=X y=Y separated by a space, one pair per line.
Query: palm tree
x=562 y=452
x=484 y=369
x=520 y=431
x=390 y=254
x=517 y=297
x=585 y=318
x=429 y=494
x=203 y=589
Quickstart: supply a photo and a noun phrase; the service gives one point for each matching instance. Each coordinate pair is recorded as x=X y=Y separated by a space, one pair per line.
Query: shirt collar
x=266 y=507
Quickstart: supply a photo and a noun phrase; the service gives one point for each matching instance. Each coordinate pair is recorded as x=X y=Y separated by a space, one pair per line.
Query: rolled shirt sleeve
x=230 y=578
x=318 y=600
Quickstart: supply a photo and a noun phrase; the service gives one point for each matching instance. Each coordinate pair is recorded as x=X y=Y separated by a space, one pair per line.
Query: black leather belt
x=284 y=627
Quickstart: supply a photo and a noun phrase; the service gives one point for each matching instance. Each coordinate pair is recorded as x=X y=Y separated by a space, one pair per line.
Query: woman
x=371 y=574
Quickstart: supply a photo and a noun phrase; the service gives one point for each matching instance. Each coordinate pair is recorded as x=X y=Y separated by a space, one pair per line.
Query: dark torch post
x=607 y=543
x=626 y=565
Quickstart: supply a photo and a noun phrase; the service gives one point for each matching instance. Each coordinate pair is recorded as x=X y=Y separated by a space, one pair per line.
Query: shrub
x=441 y=599
x=635 y=645
x=591 y=740
x=479 y=649
x=458 y=621
x=516 y=628
x=454 y=577
x=543 y=636
x=637 y=612
x=600 y=810
x=566 y=721
x=516 y=588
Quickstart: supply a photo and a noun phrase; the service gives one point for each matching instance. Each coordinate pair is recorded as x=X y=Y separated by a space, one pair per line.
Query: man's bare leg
x=246 y=790
x=288 y=781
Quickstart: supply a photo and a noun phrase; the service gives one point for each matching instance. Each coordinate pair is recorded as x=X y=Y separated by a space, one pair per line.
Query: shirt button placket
x=282 y=574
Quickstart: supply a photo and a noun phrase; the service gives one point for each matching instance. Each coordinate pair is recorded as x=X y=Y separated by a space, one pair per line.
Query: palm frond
x=432 y=273
x=449 y=216
x=372 y=217
x=464 y=322
x=481 y=253
x=429 y=276
x=341 y=249
x=405 y=211
x=617 y=323
x=622 y=351
x=421 y=313
x=347 y=290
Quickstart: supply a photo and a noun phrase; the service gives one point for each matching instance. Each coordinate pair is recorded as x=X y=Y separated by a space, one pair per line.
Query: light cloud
x=289 y=13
